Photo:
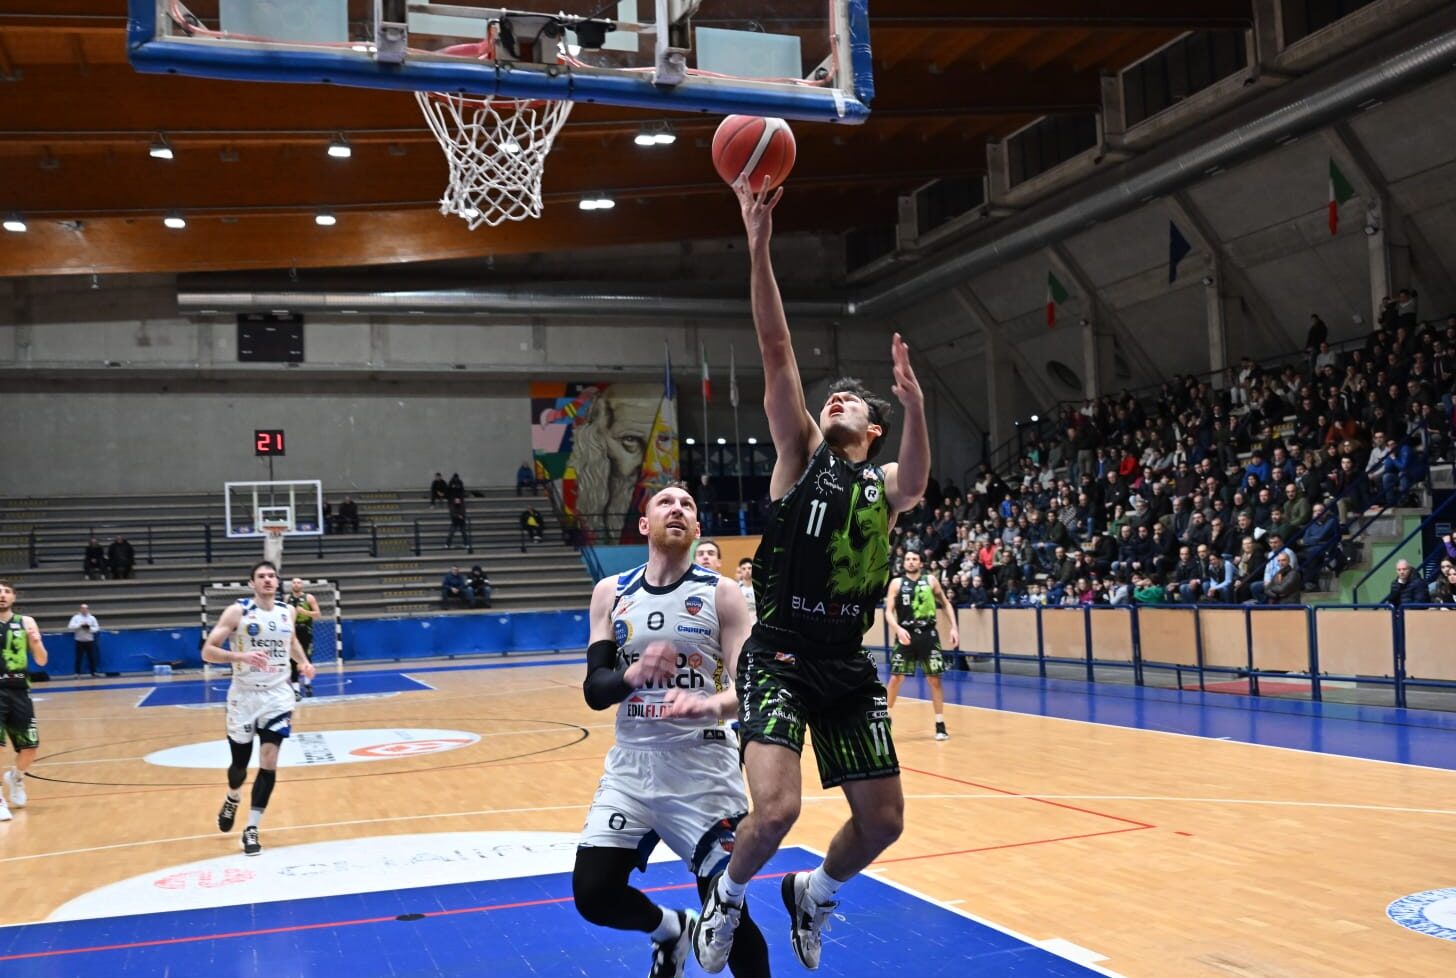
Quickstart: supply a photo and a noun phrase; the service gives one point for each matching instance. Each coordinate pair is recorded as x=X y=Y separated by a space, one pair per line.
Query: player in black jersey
x=912 y=605
x=819 y=573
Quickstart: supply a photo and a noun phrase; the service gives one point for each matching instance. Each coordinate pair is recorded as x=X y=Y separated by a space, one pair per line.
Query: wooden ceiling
x=251 y=169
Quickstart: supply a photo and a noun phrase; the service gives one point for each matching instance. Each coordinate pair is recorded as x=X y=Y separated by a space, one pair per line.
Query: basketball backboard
x=795 y=59
x=297 y=505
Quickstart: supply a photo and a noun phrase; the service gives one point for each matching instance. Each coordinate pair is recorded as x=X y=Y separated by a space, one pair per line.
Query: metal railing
x=1430 y=518
x=1315 y=643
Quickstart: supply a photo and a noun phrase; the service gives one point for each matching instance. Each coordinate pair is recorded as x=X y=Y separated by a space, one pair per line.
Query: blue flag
x=1178 y=249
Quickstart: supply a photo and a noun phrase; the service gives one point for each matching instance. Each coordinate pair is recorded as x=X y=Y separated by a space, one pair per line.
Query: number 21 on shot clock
x=268 y=441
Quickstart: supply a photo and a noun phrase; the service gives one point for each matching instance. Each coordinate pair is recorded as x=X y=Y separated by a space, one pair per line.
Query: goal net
x=328 y=631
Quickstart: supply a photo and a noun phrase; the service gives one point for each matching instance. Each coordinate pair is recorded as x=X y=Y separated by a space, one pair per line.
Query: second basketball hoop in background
x=759 y=149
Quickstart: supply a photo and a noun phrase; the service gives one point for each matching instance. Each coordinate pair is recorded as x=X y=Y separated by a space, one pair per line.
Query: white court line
x=1175 y=733
x=499 y=733
x=1276 y=802
x=272 y=829
x=1053 y=945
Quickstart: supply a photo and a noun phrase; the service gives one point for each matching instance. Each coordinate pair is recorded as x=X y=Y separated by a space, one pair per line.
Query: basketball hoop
x=496 y=148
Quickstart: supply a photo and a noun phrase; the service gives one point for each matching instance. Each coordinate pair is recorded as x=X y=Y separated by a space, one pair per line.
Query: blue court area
x=325 y=686
x=515 y=928
x=1400 y=736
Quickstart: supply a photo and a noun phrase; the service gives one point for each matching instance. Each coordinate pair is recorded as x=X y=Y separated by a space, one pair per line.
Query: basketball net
x=273 y=546
x=496 y=149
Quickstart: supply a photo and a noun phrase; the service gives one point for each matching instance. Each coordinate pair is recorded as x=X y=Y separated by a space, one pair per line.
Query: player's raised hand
x=757 y=206
x=657 y=665
x=687 y=704
x=906 y=388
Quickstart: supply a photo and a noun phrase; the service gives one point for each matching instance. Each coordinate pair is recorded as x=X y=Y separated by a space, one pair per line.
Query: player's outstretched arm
x=906 y=479
x=794 y=431
x=32 y=636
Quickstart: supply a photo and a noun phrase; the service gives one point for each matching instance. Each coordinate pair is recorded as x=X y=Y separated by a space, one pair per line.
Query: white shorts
x=691 y=798
x=250 y=709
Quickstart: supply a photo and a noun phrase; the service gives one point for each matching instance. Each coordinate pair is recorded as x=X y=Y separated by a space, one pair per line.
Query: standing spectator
x=439 y=489
x=453 y=587
x=94 y=566
x=1318 y=334
x=458 y=523
x=525 y=479
x=456 y=488
x=85 y=626
x=121 y=556
x=349 y=515
x=1406 y=588
x=480 y=589
x=329 y=525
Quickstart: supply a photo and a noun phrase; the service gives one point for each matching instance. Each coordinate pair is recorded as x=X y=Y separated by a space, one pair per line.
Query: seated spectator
x=453 y=587
x=438 y=490
x=94 y=564
x=1187 y=580
x=976 y=595
x=525 y=479
x=1218 y=582
x=1406 y=588
x=348 y=515
x=480 y=589
x=1272 y=564
x=121 y=557
x=1284 y=585
x=328 y=514
x=1147 y=589
x=1405 y=466
x=1248 y=569
x=532 y=525
x=1320 y=543
x=1445 y=592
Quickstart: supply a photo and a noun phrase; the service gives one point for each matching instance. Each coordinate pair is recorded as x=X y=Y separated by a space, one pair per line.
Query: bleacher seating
x=377 y=568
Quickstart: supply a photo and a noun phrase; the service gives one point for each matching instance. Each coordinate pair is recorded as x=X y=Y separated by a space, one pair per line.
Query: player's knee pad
x=600 y=889
x=263 y=788
x=238 y=770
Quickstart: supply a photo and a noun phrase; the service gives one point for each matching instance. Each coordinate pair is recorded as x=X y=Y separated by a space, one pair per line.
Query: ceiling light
x=175 y=220
x=691 y=441
x=1035 y=419
x=16 y=224
x=339 y=148
x=664 y=137
x=645 y=138
x=325 y=219
x=597 y=202
x=160 y=148
x=722 y=441
x=657 y=134
x=752 y=440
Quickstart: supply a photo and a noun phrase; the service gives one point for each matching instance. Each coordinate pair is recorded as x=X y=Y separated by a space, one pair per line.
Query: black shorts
x=17 y=719
x=304 y=631
x=839 y=698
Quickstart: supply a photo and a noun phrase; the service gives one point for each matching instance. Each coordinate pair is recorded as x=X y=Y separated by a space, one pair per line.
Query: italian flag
x=1056 y=295
x=1340 y=192
x=707 y=381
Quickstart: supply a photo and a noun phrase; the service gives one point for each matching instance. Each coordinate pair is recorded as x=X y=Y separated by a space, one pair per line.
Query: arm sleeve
x=605 y=685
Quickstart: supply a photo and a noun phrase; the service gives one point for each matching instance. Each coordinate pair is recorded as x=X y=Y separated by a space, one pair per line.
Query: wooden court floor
x=1163 y=854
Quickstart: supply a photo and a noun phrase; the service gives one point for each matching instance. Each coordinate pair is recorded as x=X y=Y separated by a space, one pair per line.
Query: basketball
x=761 y=149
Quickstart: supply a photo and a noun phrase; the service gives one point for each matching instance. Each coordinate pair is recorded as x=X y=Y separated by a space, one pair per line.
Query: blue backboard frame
x=846 y=103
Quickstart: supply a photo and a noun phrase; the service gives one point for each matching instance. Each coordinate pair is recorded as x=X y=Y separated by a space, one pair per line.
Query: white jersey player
x=664 y=643
x=260 y=633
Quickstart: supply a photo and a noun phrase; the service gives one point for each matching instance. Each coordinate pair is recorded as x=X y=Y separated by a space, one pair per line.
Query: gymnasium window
x=1190 y=64
x=1303 y=17
x=864 y=245
x=1047 y=142
x=946 y=199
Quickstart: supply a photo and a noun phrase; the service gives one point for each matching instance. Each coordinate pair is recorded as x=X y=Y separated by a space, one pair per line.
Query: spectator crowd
x=1237 y=492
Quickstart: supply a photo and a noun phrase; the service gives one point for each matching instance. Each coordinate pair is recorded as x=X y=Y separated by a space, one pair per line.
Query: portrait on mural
x=609 y=445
